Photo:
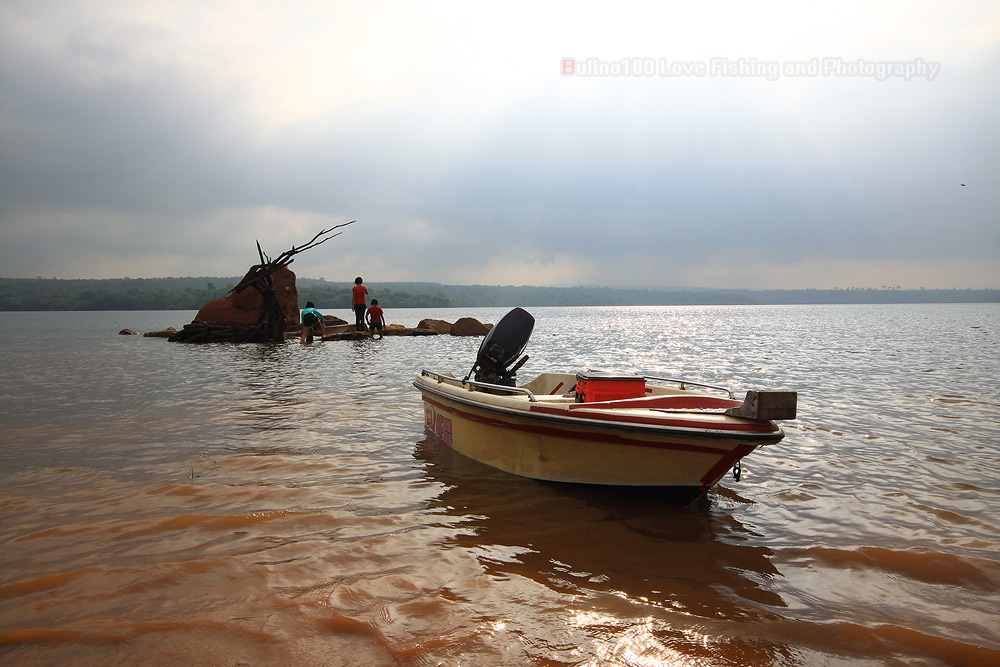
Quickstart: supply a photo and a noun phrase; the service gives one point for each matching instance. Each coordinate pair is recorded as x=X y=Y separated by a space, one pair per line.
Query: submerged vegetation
x=192 y=293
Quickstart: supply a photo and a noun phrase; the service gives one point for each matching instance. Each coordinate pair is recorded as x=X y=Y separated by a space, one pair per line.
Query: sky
x=717 y=144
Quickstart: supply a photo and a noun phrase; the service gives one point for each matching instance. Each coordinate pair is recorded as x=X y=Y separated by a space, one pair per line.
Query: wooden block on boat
x=767 y=405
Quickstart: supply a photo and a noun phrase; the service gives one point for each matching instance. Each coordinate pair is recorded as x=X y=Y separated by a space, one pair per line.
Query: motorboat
x=593 y=427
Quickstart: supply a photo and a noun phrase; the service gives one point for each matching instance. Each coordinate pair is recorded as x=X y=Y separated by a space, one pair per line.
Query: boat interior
x=498 y=361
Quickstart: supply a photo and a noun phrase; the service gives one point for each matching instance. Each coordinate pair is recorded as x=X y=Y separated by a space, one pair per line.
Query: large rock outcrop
x=245 y=307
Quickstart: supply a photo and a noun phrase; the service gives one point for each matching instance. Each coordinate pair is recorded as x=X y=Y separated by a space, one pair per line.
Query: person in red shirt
x=375 y=317
x=359 y=303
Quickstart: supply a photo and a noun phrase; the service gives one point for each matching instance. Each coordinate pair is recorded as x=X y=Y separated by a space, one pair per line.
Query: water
x=257 y=505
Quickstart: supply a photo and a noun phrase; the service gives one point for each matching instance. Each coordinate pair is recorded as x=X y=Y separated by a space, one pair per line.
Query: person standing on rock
x=376 y=318
x=360 y=303
x=312 y=323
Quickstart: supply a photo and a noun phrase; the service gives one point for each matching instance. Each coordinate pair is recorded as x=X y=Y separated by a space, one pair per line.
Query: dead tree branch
x=270 y=326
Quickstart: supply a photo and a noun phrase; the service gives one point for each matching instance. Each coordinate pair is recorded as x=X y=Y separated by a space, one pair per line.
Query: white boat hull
x=551 y=437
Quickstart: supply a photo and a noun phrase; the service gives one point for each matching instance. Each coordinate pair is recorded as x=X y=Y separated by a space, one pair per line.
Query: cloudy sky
x=715 y=144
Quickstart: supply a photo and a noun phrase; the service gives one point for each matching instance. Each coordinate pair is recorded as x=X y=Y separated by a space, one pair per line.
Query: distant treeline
x=111 y=294
x=472 y=296
x=192 y=293
x=337 y=296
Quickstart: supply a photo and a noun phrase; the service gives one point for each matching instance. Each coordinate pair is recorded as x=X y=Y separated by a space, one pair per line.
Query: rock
x=127 y=332
x=400 y=330
x=215 y=332
x=468 y=326
x=347 y=335
x=294 y=327
x=437 y=326
x=244 y=308
x=166 y=333
x=332 y=329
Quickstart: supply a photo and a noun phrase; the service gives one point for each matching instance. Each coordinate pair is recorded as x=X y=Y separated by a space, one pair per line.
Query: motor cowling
x=497 y=361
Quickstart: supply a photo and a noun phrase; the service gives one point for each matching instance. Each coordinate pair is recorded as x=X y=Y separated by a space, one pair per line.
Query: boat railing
x=684 y=384
x=473 y=384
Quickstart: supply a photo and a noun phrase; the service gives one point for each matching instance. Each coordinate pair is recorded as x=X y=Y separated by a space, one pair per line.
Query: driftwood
x=218 y=332
x=270 y=325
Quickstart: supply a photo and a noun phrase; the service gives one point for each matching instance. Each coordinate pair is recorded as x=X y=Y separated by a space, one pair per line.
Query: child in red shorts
x=375 y=317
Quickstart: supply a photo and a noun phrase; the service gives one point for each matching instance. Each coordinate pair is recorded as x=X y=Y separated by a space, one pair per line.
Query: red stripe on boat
x=724 y=464
x=581 y=435
x=659 y=421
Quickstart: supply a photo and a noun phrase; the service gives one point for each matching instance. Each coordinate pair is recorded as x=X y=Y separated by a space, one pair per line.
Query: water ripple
x=227 y=504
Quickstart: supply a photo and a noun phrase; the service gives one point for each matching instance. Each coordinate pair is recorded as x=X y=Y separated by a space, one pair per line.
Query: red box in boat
x=593 y=387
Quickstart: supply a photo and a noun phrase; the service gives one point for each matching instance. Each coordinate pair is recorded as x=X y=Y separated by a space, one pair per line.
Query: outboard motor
x=502 y=345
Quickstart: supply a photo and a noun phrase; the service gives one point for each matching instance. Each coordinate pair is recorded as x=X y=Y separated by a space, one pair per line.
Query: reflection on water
x=669 y=541
x=608 y=561
x=266 y=504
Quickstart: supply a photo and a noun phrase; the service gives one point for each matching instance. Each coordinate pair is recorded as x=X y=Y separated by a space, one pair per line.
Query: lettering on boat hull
x=438 y=424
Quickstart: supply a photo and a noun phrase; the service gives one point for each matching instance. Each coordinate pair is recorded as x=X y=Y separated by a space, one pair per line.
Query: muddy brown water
x=259 y=505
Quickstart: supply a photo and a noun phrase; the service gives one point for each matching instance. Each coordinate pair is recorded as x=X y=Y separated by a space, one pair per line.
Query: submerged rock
x=338 y=329
x=346 y=335
x=166 y=333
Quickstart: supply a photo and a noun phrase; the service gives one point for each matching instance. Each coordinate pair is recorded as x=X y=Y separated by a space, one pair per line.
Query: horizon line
x=665 y=288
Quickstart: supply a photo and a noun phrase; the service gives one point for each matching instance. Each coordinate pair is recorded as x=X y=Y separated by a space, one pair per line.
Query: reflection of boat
x=607 y=546
x=596 y=428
